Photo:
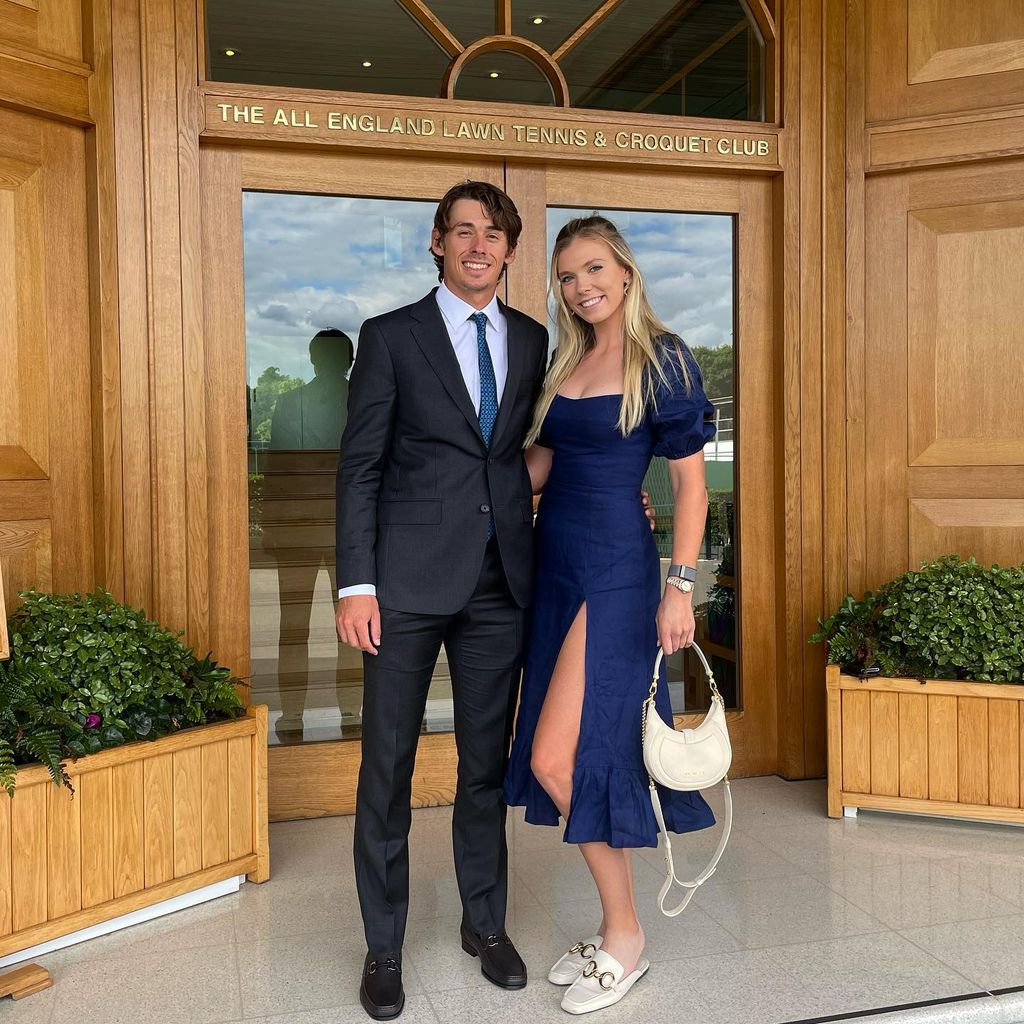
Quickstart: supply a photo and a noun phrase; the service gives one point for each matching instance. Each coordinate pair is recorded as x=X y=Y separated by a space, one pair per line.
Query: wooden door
x=704 y=243
x=294 y=243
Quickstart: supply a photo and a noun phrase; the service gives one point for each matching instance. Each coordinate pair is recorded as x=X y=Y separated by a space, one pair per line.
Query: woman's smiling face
x=593 y=282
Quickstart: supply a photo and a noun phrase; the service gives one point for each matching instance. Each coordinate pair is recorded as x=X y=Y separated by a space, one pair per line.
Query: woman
x=621 y=389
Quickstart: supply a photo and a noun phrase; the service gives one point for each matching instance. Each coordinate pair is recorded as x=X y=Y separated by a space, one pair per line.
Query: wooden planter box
x=939 y=747
x=147 y=822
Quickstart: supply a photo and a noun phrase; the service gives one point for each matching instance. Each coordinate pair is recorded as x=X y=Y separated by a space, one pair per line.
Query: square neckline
x=587 y=398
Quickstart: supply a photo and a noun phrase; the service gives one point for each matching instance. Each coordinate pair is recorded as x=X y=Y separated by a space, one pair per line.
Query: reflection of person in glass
x=307 y=419
x=313 y=415
x=622 y=388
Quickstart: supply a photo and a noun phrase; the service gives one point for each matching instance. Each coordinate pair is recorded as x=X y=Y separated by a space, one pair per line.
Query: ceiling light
x=367 y=63
x=494 y=74
x=229 y=52
x=538 y=21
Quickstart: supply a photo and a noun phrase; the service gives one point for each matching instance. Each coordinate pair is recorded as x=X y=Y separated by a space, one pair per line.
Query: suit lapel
x=432 y=337
x=516 y=361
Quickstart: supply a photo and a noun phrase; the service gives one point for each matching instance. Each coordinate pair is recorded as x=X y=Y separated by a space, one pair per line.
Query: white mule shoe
x=601 y=984
x=569 y=967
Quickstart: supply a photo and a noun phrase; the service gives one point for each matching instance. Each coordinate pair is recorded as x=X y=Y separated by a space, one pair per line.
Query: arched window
x=694 y=58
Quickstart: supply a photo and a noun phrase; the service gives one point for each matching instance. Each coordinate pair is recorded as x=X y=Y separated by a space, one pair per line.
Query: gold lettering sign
x=498 y=134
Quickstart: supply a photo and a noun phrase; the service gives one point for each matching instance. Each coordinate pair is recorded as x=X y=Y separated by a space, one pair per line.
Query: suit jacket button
x=485 y=508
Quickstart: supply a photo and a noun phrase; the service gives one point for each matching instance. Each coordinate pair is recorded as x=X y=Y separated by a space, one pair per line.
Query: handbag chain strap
x=693 y=886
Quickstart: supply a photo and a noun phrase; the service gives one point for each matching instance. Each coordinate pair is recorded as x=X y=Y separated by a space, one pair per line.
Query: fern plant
x=29 y=730
x=87 y=673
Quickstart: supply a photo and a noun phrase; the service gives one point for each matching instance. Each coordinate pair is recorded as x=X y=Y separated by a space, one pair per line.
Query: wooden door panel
x=46 y=506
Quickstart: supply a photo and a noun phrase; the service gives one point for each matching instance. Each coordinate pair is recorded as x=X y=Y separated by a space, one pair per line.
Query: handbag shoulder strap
x=693 y=886
x=690 y=887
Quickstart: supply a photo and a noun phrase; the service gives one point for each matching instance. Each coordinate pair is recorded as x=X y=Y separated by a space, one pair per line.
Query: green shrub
x=951 y=619
x=87 y=672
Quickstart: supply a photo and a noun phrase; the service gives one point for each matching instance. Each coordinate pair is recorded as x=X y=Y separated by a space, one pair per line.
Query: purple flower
x=93 y=720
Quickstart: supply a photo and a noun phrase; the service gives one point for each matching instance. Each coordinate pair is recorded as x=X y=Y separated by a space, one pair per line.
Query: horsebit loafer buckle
x=590 y=971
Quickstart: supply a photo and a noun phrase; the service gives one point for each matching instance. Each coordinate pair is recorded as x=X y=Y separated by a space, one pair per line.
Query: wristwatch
x=686 y=586
x=684 y=572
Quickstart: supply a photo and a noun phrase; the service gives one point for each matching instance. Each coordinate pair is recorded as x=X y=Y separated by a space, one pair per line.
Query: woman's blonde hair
x=642 y=353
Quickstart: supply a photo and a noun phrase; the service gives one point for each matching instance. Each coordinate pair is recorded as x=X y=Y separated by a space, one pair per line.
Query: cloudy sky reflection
x=331 y=261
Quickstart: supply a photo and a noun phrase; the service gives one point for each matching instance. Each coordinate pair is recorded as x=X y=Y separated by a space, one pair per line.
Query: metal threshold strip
x=899 y=1010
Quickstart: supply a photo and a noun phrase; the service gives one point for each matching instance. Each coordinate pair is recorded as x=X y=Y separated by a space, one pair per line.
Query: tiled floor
x=806 y=918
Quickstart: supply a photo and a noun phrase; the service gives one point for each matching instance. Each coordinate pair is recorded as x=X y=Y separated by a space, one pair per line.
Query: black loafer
x=381 y=991
x=499 y=961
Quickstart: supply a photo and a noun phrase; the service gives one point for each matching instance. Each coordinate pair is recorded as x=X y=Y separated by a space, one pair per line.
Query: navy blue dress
x=594 y=545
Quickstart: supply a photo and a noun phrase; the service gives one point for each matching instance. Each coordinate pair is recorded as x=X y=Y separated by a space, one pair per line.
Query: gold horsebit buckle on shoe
x=590 y=971
x=585 y=949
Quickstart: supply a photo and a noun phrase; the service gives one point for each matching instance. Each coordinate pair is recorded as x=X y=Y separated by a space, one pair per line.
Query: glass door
x=703 y=244
x=302 y=249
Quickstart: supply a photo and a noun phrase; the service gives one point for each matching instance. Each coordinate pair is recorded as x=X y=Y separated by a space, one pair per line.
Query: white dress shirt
x=461 y=329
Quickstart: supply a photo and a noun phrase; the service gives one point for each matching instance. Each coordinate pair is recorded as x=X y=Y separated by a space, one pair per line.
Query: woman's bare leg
x=553 y=762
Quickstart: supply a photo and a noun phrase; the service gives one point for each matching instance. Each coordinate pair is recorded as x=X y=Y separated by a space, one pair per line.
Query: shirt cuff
x=359 y=590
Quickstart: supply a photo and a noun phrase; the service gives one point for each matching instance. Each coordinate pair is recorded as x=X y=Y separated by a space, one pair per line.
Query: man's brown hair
x=501 y=209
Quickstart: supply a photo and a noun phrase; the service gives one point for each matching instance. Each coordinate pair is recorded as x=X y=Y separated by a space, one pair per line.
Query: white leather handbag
x=685 y=760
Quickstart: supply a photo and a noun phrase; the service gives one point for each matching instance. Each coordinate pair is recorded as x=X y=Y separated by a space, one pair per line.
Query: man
x=434 y=546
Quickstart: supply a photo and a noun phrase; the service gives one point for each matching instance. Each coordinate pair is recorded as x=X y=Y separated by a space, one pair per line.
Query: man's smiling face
x=475 y=251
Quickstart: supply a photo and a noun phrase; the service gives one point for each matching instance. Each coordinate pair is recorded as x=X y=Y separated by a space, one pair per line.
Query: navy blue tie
x=488 y=391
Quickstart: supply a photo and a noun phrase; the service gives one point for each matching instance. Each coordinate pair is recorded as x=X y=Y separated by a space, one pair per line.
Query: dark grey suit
x=416 y=486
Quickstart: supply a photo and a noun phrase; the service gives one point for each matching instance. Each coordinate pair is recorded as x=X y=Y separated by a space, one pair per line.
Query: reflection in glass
x=699 y=59
x=315 y=268
x=373 y=47
x=503 y=77
x=663 y=57
x=687 y=263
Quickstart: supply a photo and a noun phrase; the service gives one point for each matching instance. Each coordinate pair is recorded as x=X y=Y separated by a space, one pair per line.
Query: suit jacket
x=415 y=482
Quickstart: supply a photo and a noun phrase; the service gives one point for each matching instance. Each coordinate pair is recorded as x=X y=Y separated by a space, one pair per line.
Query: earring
x=625 y=288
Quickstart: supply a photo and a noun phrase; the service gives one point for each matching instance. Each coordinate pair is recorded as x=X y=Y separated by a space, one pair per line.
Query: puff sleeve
x=682 y=421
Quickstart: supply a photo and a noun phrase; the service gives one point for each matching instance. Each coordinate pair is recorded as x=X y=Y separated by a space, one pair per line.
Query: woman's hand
x=676 y=625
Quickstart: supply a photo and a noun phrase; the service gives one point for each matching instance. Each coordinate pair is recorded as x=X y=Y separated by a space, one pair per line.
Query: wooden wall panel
x=949 y=39
x=966 y=329
x=46 y=26
x=945 y=329
x=46 y=502
x=990 y=529
x=928 y=57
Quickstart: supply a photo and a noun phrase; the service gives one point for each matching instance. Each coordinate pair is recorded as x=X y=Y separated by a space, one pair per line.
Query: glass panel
x=313 y=263
x=547 y=24
x=663 y=57
x=504 y=78
x=687 y=263
x=322 y=44
x=467 y=20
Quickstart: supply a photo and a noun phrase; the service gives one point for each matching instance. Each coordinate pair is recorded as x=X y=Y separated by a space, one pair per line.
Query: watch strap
x=684 y=572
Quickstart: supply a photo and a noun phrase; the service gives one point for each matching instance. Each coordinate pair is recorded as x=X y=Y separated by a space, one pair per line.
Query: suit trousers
x=484 y=644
